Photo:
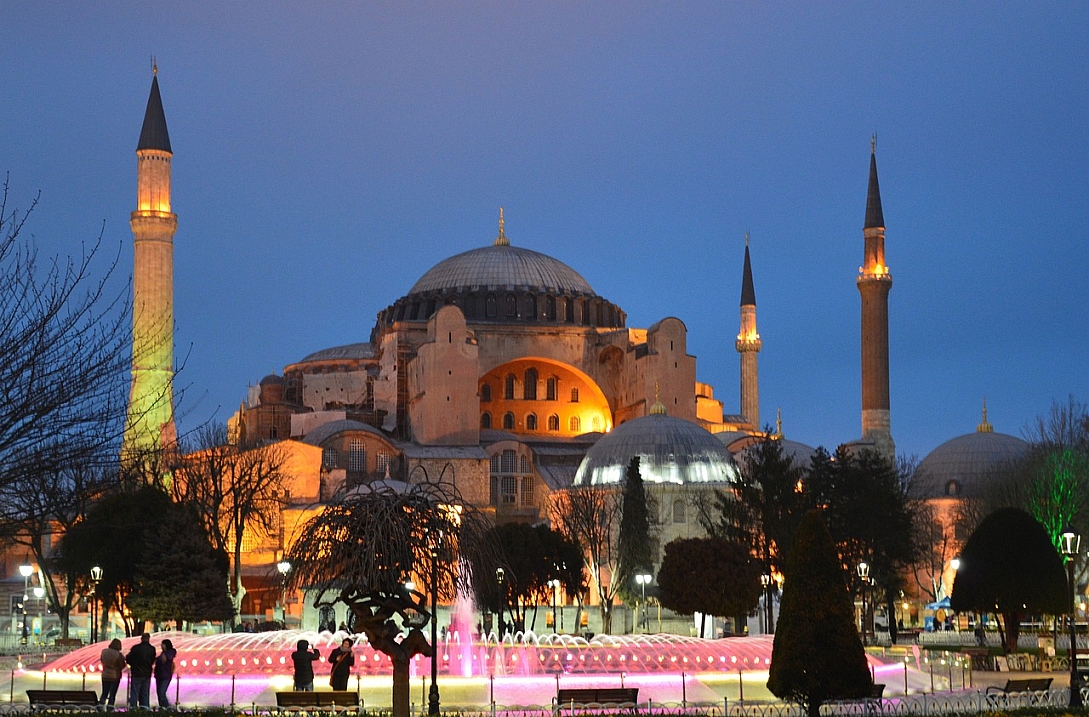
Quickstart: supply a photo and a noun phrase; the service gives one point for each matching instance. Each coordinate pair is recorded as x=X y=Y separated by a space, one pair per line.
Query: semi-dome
x=502 y=267
x=670 y=450
x=961 y=466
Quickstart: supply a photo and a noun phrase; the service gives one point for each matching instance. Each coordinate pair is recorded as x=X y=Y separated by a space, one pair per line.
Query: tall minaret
x=874 y=282
x=748 y=345
x=150 y=422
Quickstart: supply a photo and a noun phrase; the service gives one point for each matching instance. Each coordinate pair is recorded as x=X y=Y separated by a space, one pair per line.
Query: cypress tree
x=817 y=655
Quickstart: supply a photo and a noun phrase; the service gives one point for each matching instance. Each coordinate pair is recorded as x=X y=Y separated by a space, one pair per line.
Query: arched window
x=485 y=392
x=575 y=395
x=529 y=312
x=357 y=456
x=327 y=618
x=512 y=306
x=550 y=308
x=552 y=388
x=329 y=458
x=508 y=421
x=485 y=420
x=490 y=308
x=574 y=424
x=569 y=311
x=531 y=422
x=529 y=388
x=382 y=463
x=508 y=387
x=596 y=423
x=553 y=422
x=679 y=511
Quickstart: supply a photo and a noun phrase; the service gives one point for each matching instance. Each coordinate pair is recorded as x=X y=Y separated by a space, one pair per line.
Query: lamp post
x=433 y=693
x=864 y=578
x=25 y=570
x=554 y=586
x=96 y=578
x=765 y=581
x=1071 y=547
x=39 y=593
x=643 y=579
x=501 y=581
x=283 y=567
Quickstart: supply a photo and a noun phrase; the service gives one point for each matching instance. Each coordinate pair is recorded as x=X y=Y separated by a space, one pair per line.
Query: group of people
x=143 y=663
x=340 y=661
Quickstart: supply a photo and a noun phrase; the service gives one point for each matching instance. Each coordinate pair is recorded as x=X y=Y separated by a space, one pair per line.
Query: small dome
x=502 y=267
x=342 y=353
x=670 y=450
x=800 y=454
x=272 y=380
x=961 y=466
x=326 y=431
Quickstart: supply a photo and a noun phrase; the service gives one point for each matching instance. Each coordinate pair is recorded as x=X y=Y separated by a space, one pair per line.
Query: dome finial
x=984 y=426
x=778 y=424
x=501 y=240
x=873 y=143
x=746 y=239
x=154 y=66
x=658 y=409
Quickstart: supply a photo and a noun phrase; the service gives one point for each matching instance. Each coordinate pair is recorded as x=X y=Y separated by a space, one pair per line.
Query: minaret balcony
x=746 y=345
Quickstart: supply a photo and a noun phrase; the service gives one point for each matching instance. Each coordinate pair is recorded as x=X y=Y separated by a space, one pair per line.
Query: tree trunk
x=401 y=684
x=1013 y=631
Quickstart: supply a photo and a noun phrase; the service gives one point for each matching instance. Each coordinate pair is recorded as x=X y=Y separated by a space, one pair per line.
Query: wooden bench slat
x=324 y=698
x=62 y=697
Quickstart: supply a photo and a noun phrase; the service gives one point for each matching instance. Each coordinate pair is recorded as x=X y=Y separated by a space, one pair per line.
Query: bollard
x=232 y=693
x=43 y=679
x=905 y=674
x=684 y=692
x=491 y=690
x=725 y=706
x=84 y=686
x=177 y=690
x=11 y=695
x=740 y=688
x=621 y=679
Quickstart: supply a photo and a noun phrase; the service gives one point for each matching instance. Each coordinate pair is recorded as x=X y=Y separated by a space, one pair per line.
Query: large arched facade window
x=529 y=388
x=512 y=481
x=508 y=421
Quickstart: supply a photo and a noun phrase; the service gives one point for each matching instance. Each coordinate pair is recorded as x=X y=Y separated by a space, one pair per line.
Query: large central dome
x=502 y=267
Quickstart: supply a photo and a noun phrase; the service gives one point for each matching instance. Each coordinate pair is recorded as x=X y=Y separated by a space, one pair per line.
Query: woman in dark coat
x=341 y=660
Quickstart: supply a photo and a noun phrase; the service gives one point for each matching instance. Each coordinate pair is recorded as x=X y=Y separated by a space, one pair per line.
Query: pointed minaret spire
x=778 y=424
x=748 y=344
x=984 y=426
x=149 y=426
x=874 y=282
x=501 y=240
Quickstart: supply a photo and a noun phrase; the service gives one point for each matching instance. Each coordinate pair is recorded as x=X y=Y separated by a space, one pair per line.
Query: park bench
x=326 y=699
x=572 y=697
x=61 y=697
x=1035 y=688
x=68 y=642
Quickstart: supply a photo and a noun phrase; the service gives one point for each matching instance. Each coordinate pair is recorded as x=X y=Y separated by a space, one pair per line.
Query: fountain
x=524 y=668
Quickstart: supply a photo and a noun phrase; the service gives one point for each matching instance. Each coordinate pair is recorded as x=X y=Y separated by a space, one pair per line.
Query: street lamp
x=26 y=569
x=554 y=586
x=765 y=581
x=96 y=578
x=864 y=578
x=1071 y=547
x=433 y=693
x=643 y=579
x=283 y=567
x=501 y=580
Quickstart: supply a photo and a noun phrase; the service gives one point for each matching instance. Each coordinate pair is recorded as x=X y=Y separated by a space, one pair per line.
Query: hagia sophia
x=503 y=371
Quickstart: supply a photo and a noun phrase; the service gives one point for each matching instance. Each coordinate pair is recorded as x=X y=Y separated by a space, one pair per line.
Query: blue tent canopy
x=942 y=604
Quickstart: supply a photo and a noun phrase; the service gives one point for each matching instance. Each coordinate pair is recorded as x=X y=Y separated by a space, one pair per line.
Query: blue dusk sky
x=326 y=155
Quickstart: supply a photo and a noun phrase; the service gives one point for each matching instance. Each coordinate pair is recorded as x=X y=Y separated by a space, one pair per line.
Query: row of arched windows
x=584 y=311
x=532 y=423
x=530 y=380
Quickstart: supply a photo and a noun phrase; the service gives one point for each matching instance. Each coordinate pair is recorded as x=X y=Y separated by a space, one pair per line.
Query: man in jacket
x=140 y=658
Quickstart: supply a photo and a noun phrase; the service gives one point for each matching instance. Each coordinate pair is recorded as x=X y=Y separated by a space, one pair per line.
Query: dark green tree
x=713 y=576
x=635 y=547
x=1010 y=568
x=114 y=536
x=817 y=655
x=763 y=508
x=868 y=512
x=180 y=576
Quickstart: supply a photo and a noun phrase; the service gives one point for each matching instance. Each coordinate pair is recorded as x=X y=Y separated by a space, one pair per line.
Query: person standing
x=141 y=658
x=113 y=664
x=164 y=670
x=303 y=660
x=342 y=661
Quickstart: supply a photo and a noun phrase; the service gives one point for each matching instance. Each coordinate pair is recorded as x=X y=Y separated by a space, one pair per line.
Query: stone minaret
x=150 y=422
x=874 y=282
x=748 y=345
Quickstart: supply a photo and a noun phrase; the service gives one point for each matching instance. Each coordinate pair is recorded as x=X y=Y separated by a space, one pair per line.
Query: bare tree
x=589 y=516
x=237 y=492
x=65 y=342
